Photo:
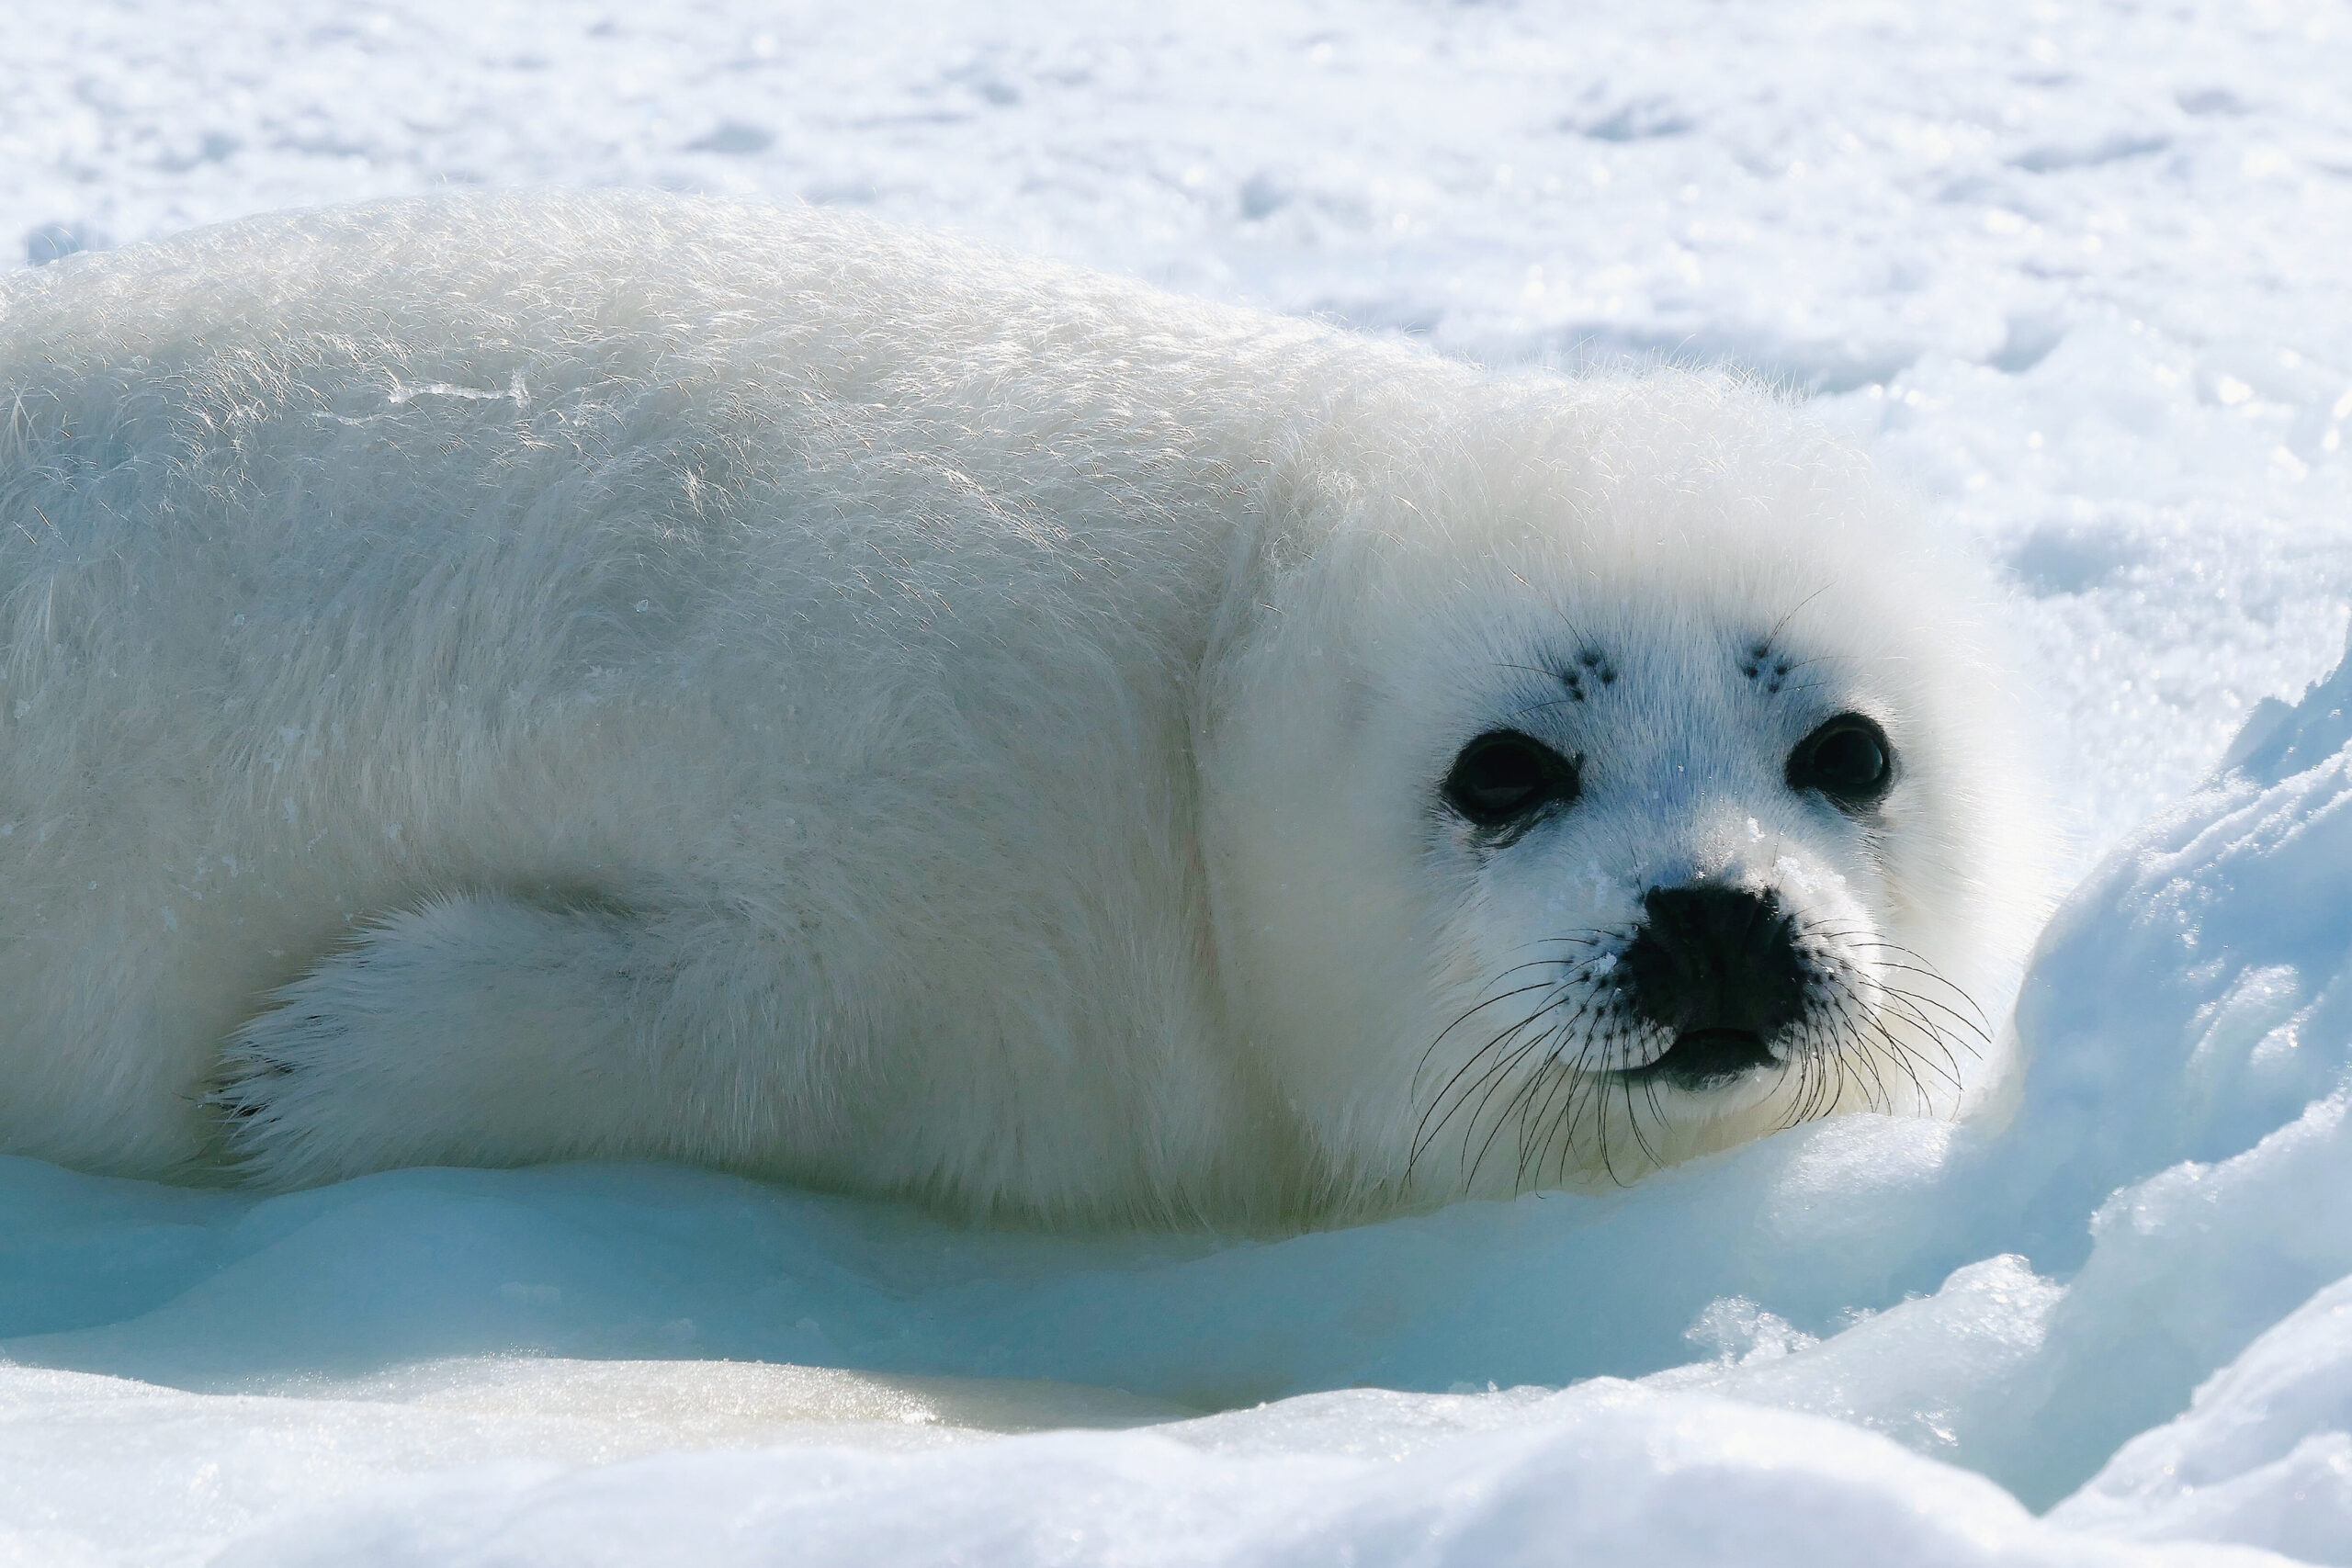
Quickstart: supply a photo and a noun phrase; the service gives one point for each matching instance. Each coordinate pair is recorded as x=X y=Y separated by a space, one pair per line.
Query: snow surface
x=2075 y=272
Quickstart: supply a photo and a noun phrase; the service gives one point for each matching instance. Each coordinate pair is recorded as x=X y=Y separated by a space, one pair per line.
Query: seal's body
x=542 y=677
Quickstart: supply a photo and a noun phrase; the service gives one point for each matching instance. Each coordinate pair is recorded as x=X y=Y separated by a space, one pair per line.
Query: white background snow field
x=2078 y=274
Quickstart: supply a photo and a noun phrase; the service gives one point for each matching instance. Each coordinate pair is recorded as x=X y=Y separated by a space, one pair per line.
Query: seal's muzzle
x=1719 y=966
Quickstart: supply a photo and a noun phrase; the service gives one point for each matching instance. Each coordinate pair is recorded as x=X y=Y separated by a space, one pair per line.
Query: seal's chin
x=1704 y=1058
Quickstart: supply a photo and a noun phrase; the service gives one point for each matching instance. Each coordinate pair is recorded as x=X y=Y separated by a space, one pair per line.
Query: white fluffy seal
x=544 y=677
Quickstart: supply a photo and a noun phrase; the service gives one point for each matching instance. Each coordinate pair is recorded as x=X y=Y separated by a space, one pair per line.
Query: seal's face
x=1551 y=848
x=1671 y=863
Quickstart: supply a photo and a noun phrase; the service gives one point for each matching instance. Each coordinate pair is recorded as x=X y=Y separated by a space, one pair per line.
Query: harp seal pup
x=539 y=677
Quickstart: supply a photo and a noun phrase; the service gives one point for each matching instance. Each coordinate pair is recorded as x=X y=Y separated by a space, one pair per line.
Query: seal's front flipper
x=470 y=1031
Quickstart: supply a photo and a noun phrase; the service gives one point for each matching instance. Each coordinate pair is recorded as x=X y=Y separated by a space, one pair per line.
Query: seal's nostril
x=1710 y=959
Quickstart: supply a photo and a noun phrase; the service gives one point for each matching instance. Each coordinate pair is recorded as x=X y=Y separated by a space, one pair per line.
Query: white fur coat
x=536 y=677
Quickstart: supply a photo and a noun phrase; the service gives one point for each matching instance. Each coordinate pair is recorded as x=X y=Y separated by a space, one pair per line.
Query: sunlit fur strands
x=536 y=677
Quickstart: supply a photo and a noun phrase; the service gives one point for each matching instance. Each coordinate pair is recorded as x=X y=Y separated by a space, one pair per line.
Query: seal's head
x=1609 y=777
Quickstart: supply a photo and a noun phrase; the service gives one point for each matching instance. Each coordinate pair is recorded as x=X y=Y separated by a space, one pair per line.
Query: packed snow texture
x=2074 y=274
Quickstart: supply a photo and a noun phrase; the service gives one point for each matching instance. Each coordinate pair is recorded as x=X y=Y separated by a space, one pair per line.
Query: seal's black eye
x=1847 y=759
x=1504 y=777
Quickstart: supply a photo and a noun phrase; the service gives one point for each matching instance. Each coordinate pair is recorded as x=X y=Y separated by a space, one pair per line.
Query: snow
x=2072 y=272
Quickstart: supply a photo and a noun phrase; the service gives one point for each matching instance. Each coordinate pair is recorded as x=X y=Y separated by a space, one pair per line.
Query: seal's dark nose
x=1719 y=966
